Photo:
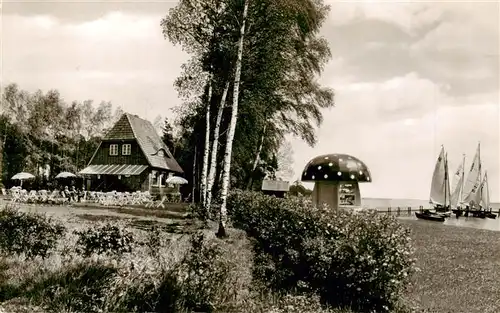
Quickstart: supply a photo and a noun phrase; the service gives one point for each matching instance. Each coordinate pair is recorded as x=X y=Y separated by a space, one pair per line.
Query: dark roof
x=336 y=167
x=133 y=127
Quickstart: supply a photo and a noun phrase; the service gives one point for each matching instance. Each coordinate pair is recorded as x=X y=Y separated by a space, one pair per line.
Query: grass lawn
x=459 y=269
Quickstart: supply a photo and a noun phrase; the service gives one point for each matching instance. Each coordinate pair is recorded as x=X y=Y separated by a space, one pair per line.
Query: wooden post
x=389 y=209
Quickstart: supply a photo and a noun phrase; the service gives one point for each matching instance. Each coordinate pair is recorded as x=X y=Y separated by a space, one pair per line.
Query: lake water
x=382 y=205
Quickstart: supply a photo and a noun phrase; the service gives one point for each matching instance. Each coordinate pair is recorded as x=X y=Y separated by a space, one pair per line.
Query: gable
x=130 y=127
x=121 y=130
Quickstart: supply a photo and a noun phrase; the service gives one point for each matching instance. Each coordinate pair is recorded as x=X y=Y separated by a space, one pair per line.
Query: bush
x=31 y=234
x=108 y=239
x=301 y=304
x=212 y=276
x=80 y=287
x=361 y=260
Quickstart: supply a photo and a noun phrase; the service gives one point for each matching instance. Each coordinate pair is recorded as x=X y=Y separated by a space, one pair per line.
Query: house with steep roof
x=131 y=157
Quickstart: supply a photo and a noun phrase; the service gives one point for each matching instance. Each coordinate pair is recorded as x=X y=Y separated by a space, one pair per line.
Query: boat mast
x=461 y=193
x=445 y=178
x=480 y=176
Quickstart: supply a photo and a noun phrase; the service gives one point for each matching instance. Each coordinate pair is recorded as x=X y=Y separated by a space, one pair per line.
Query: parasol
x=23 y=176
x=176 y=180
x=65 y=175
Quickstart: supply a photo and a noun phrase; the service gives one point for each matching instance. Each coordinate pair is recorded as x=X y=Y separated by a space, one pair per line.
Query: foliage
x=208 y=276
x=363 y=260
x=80 y=287
x=298 y=189
x=308 y=303
x=154 y=240
x=39 y=130
x=28 y=233
x=106 y=239
x=168 y=136
x=283 y=55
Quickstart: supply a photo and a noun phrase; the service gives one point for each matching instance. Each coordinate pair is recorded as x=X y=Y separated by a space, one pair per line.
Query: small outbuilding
x=336 y=178
x=276 y=188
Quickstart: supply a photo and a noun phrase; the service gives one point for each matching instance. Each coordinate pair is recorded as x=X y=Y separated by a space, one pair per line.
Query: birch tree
x=206 y=149
x=232 y=127
x=283 y=56
x=215 y=148
x=192 y=24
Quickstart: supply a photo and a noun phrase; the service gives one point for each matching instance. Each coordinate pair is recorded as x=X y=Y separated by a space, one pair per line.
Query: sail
x=475 y=197
x=438 y=186
x=485 y=193
x=447 y=190
x=458 y=183
x=471 y=184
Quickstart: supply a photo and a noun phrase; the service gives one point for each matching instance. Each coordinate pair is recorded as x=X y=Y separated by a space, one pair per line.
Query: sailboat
x=471 y=192
x=485 y=197
x=458 y=187
x=440 y=190
x=440 y=186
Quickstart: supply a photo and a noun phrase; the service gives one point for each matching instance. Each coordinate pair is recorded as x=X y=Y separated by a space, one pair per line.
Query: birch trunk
x=194 y=176
x=232 y=129
x=215 y=145
x=206 y=151
x=257 y=157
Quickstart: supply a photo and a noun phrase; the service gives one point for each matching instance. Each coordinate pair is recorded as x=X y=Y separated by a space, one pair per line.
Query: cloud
x=451 y=43
x=407 y=96
x=400 y=141
x=118 y=57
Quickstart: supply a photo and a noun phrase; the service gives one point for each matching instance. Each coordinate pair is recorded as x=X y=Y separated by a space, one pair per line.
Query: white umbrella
x=23 y=176
x=176 y=180
x=65 y=175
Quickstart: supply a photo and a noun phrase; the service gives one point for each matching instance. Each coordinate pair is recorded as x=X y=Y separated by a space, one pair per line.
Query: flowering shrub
x=362 y=260
x=31 y=234
x=299 y=304
x=106 y=239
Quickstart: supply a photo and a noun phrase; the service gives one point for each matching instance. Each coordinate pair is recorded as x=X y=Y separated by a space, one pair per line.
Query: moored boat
x=473 y=186
x=440 y=196
x=429 y=216
x=491 y=215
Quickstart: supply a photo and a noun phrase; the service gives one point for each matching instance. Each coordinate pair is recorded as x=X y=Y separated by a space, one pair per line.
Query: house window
x=154 y=178
x=170 y=185
x=113 y=149
x=163 y=179
x=126 y=149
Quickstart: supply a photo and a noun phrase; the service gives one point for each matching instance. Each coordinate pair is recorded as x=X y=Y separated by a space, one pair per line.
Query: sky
x=408 y=76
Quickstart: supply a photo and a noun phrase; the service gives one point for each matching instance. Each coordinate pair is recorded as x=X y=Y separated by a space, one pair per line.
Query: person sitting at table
x=81 y=194
x=74 y=194
x=66 y=193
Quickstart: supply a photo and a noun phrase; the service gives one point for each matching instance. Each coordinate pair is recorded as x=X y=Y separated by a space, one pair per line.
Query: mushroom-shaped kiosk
x=331 y=172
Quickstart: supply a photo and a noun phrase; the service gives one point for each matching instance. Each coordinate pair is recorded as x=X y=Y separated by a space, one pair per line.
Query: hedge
x=361 y=260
